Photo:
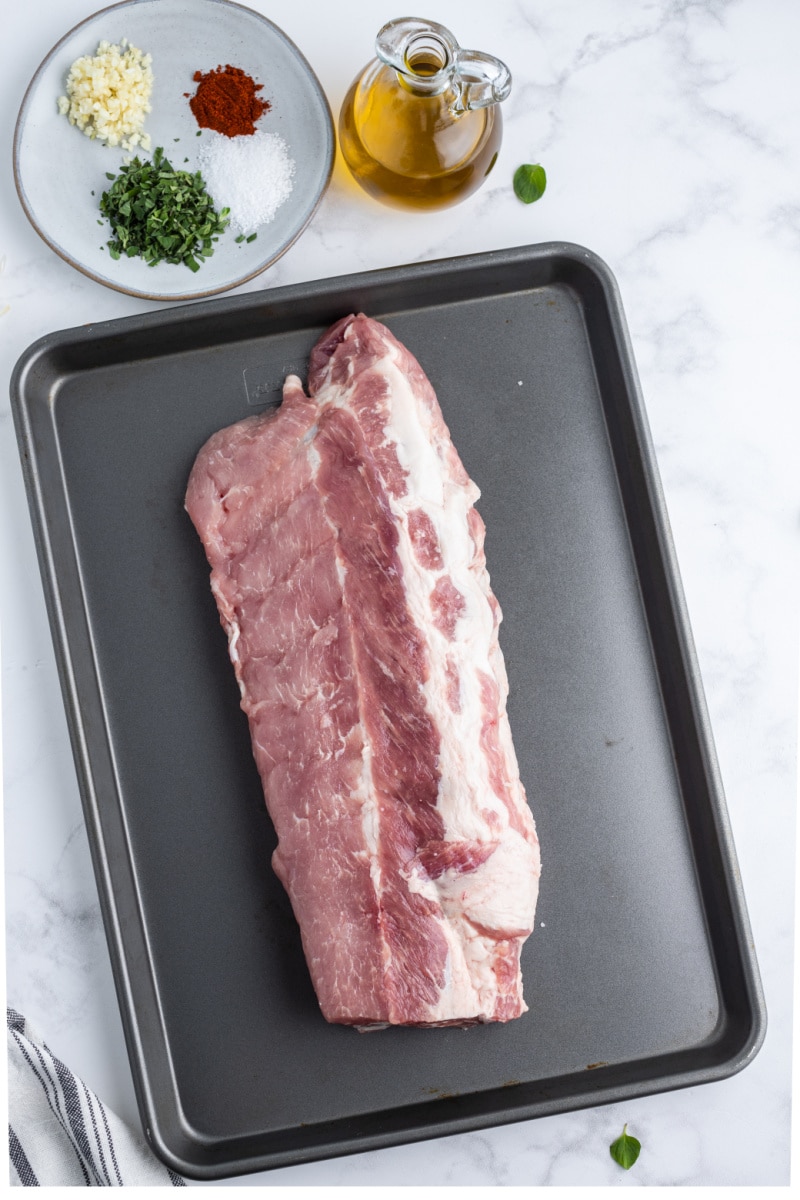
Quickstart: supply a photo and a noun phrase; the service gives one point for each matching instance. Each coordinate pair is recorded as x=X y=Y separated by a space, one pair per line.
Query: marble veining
x=669 y=130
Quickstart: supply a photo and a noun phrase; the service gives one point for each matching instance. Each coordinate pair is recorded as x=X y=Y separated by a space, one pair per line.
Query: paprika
x=226 y=101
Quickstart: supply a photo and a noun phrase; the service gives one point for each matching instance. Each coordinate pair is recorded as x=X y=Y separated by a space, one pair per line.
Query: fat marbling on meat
x=348 y=568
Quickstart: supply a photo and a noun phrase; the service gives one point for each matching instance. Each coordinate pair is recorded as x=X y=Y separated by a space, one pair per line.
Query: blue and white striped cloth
x=60 y=1132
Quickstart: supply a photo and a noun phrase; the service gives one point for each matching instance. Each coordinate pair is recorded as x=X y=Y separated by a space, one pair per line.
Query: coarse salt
x=252 y=176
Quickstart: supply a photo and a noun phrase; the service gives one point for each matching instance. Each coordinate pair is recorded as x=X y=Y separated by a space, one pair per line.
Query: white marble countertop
x=670 y=135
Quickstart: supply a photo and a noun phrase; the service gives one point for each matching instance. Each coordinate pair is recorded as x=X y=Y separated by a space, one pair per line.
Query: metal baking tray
x=641 y=974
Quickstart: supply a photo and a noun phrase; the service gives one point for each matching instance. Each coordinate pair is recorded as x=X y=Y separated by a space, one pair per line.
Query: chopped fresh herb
x=529 y=182
x=186 y=160
x=110 y=175
x=252 y=237
x=160 y=214
x=198 y=133
x=625 y=1150
x=176 y=139
x=240 y=238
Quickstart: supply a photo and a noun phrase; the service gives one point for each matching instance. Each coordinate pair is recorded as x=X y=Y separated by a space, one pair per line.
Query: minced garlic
x=108 y=95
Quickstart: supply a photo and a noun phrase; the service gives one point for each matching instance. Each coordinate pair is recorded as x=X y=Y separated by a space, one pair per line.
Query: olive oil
x=408 y=137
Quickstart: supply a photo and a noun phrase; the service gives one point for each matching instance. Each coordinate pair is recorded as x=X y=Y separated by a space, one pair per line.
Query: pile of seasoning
x=108 y=95
x=248 y=169
x=226 y=101
x=160 y=214
x=252 y=175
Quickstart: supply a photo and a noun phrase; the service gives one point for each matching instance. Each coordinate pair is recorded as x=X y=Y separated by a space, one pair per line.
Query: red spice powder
x=226 y=101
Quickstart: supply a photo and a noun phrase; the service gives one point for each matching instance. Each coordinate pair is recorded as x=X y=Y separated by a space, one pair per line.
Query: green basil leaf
x=625 y=1150
x=530 y=182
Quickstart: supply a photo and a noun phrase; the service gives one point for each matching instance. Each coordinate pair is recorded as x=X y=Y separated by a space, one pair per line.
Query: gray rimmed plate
x=60 y=174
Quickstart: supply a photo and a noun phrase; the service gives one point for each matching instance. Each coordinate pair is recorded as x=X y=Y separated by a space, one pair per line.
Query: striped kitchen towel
x=59 y=1132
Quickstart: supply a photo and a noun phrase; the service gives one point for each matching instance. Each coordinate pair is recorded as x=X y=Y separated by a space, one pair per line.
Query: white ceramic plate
x=60 y=173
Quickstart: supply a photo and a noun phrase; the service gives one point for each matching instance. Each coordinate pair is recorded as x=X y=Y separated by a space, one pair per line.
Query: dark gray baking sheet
x=640 y=975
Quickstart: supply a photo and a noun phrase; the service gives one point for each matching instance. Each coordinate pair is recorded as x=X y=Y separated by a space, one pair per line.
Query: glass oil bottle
x=421 y=127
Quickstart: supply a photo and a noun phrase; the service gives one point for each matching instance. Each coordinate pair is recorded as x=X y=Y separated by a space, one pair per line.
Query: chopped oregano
x=530 y=181
x=240 y=238
x=625 y=1150
x=160 y=214
x=252 y=237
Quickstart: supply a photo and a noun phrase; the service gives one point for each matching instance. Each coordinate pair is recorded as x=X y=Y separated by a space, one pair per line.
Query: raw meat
x=348 y=568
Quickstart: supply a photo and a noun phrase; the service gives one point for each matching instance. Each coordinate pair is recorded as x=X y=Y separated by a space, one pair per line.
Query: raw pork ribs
x=348 y=567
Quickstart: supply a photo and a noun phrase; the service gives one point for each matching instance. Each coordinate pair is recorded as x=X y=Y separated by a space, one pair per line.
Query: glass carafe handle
x=479 y=80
